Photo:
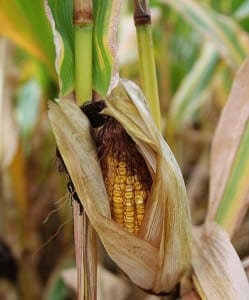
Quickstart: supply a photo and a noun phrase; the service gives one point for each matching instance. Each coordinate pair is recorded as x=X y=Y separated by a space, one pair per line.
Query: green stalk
x=83 y=32
x=146 y=58
x=85 y=237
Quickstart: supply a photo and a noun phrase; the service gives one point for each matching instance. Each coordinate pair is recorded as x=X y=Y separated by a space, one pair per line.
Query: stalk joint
x=142 y=19
x=82 y=17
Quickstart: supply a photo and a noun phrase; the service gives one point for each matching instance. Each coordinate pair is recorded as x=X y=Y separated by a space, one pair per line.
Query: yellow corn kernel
x=118 y=209
x=140 y=217
x=138 y=186
x=120 y=179
x=117 y=199
x=130 y=180
x=129 y=208
x=127 y=195
x=129 y=187
x=129 y=213
x=122 y=171
x=139 y=199
x=122 y=164
x=117 y=205
x=117 y=193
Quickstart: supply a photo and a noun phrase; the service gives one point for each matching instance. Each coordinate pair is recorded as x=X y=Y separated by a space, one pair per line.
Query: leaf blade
x=60 y=15
x=193 y=91
x=231 y=41
x=26 y=24
x=106 y=16
x=229 y=150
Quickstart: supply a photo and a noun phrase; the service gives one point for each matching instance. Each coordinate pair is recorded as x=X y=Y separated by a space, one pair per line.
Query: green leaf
x=106 y=16
x=56 y=288
x=60 y=14
x=194 y=89
x=59 y=291
x=25 y=23
x=229 y=38
x=106 y=19
x=242 y=12
x=237 y=188
x=229 y=186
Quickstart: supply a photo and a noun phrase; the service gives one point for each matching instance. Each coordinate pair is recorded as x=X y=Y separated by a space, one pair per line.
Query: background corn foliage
x=199 y=48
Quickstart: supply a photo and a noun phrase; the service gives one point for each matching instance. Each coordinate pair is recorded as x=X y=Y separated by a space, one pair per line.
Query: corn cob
x=126 y=176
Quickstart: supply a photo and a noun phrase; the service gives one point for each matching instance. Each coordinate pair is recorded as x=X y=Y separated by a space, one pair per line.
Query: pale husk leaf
x=110 y=286
x=217 y=268
x=156 y=259
x=245 y=264
x=85 y=254
x=167 y=224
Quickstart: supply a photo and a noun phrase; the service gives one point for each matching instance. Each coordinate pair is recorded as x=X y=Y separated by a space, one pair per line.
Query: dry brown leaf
x=218 y=272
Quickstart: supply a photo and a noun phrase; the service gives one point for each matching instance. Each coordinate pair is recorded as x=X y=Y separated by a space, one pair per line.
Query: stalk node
x=82 y=17
x=142 y=20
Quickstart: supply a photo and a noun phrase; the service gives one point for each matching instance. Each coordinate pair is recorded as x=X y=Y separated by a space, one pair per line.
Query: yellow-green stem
x=83 y=62
x=148 y=70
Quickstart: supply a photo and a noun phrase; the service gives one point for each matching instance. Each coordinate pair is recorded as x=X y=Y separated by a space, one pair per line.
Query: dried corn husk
x=157 y=258
x=110 y=286
x=218 y=271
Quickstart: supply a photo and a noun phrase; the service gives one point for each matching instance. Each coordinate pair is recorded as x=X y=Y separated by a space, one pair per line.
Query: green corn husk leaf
x=157 y=258
x=217 y=270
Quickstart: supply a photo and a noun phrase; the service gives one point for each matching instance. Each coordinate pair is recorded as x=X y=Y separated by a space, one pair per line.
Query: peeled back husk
x=158 y=257
x=217 y=270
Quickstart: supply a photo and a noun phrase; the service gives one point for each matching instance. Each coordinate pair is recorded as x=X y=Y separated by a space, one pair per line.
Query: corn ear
x=126 y=193
x=158 y=256
x=217 y=269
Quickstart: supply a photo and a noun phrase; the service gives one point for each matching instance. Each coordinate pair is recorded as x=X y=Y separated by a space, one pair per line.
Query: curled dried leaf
x=218 y=272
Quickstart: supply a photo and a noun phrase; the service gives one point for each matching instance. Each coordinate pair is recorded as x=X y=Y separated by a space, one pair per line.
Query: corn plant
x=112 y=137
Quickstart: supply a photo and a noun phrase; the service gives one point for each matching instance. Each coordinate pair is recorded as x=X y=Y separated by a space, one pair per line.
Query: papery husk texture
x=218 y=271
x=157 y=258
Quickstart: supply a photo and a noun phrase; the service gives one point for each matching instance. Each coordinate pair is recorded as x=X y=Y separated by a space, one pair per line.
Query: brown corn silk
x=158 y=256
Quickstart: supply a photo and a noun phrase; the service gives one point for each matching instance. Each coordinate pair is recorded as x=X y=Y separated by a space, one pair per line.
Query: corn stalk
x=147 y=66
